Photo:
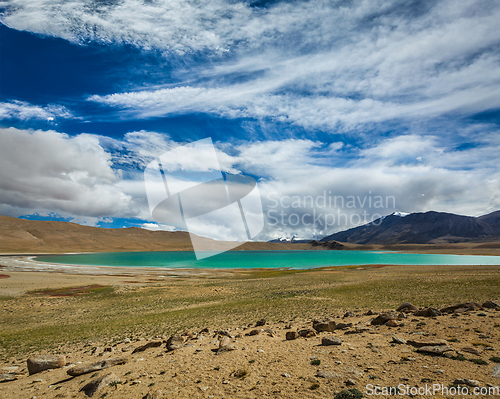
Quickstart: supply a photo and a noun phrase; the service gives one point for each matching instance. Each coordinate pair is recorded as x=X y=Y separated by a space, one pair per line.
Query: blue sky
x=350 y=98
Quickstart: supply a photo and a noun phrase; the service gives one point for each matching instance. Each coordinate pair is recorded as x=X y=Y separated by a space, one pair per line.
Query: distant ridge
x=38 y=237
x=422 y=228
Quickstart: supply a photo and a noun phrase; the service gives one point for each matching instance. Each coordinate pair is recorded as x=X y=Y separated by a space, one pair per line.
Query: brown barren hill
x=19 y=236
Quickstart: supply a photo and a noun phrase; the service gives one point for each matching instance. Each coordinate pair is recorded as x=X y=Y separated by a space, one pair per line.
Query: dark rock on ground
x=261 y=322
x=175 y=342
x=326 y=325
x=435 y=350
x=307 y=333
x=427 y=312
x=343 y=326
x=460 y=308
x=407 y=307
x=40 y=363
x=491 y=305
x=290 y=335
x=99 y=383
x=90 y=368
x=152 y=344
x=327 y=341
x=429 y=342
x=384 y=318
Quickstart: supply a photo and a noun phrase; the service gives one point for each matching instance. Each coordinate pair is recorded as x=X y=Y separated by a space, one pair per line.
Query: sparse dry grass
x=31 y=323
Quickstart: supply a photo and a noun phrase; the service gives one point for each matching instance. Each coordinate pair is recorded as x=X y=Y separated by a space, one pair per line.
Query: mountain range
x=422 y=228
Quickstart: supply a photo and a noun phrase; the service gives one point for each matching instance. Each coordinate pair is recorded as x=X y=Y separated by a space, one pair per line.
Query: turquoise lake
x=265 y=259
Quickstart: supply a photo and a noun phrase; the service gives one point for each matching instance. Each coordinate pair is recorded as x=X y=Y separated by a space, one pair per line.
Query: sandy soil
x=270 y=366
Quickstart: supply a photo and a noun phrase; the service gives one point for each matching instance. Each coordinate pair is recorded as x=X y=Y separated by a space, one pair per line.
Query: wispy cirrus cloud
x=25 y=111
x=327 y=65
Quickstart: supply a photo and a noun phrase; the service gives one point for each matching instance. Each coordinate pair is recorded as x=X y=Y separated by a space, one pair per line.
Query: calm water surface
x=266 y=259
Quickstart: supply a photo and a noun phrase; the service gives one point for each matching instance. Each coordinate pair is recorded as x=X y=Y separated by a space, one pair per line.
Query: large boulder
x=324 y=325
x=36 y=364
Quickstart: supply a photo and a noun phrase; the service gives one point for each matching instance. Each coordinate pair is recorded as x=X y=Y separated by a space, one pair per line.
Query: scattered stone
x=290 y=335
x=438 y=371
x=383 y=318
x=37 y=381
x=109 y=349
x=398 y=340
x=350 y=382
x=407 y=308
x=460 y=308
x=327 y=325
x=421 y=343
x=307 y=333
x=327 y=341
x=474 y=351
x=435 y=350
x=466 y=381
x=491 y=305
x=8 y=377
x=152 y=344
x=370 y=313
x=269 y=332
x=343 y=326
x=286 y=375
x=175 y=342
x=158 y=394
x=225 y=382
x=90 y=368
x=126 y=341
x=260 y=350
x=40 y=363
x=261 y=322
x=99 y=383
x=225 y=345
x=97 y=350
x=136 y=382
x=428 y=312
x=254 y=332
x=326 y=374
x=206 y=330
x=392 y=323
x=496 y=371
x=348 y=314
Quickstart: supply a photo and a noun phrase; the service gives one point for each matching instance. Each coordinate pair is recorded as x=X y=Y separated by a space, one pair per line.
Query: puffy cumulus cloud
x=308 y=188
x=306 y=193
x=46 y=170
x=26 y=111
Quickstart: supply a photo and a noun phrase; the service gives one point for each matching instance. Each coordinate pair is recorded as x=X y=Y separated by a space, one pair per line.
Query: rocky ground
x=407 y=347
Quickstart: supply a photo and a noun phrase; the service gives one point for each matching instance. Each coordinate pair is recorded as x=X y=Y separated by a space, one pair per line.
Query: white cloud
x=51 y=171
x=25 y=111
x=77 y=177
x=317 y=64
x=157 y=227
